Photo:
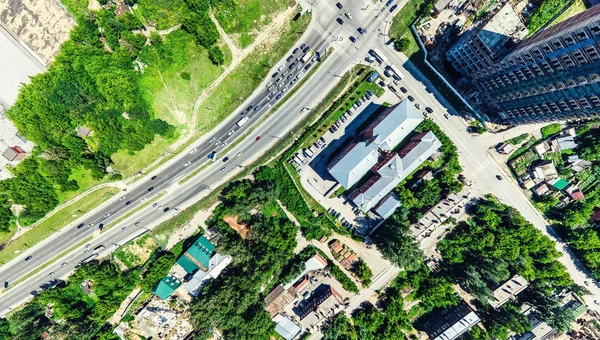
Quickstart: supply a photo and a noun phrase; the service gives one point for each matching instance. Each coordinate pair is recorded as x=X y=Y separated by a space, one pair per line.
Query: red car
x=257 y=138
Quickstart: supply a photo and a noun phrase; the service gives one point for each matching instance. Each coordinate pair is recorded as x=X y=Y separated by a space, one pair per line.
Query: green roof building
x=165 y=287
x=197 y=256
x=559 y=184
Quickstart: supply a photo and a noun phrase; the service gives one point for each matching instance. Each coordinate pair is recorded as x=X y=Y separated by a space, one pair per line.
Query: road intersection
x=324 y=32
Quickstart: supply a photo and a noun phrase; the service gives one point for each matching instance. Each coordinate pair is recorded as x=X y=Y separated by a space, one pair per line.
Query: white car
x=193 y=150
x=230 y=133
x=348 y=15
x=300 y=75
x=223 y=144
x=280 y=68
x=107 y=215
x=143 y=199
x=269 y=84
x=284 y=89
x=122 y=198
x=63 y=264
x=187 y=163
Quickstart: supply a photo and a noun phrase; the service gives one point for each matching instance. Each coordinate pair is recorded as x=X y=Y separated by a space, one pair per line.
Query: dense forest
x=94 y=82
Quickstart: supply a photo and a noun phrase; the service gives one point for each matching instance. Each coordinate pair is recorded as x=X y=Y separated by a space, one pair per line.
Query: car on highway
x=285 y=73
x=187 y=163
x=289 y=59
x=498 y=177
x=303 y=46
x=238 y=154
x=273 y=92
x=217 y=142
x=87 y=245
x=128 y=203
x=389 y=2
x=307 y=67
x=299 y=75
x=257 y=138
x=393 y=8
x=28 y=258
x=143 y=199
x=279 y=86
x=293 y=82
x=403 y=90
x=348 y=15
x=295 y=50
x=275 y=75
x=223 y=144
x=122 y=198
x=281 y=68
x=137 y=224
x=339 y=5
x=51 y=274
x=155 y=204
x=153 y=178
x=292 y=66
x=290 y=76
x=257 y=107
x=230 y=132
x=90 y=225
x=151 y=188
x=306 y=49
x=284 y=89
x=411 y=98
x=106 y=215
x=81 y=225
x=393 y=89
x=361 y=30
x=279 y=96
x=193 y=150
x=222 y=169
x=353 y=39
x=124 y=228
x=159 y=207
x=299 y=67
x=166 y=209
x=428 y=109
x=63 y=264
x=225 y=159
x=250 y=106
x=340 y=21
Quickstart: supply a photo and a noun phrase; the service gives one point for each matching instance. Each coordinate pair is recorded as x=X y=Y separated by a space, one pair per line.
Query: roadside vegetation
x=400 y=28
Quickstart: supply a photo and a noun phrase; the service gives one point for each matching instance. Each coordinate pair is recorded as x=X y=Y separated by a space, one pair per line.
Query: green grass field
x=56 y=222
x=244 y=18
x=577 y=7
x=400 y=28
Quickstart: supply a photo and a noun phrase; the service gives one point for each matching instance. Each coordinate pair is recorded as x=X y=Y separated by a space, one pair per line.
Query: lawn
x=577 y=7
x=173 y=97
x=400 y=27
x=84 y=179
x=242 y=81
x=128 y=164
x=163 y=13
x=243 y=19
x=547 y=10
x=56 y=222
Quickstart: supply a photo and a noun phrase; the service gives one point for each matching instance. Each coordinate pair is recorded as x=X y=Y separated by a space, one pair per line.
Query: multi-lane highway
x=133 y=219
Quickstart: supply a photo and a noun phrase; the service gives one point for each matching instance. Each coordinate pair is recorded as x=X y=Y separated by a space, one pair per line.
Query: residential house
x=83 y=131
x=14 y=153
x=572 y=159
x=451 y=322
x=198 y=256
x=541 y=189
x=566 y=143
x=545 y=170
x=508 y=290
x=559 y=184
x=528 y=183
x=323 y=298
x=217 y=264
x=541 y=148
x=580 y=165
x=574 y=193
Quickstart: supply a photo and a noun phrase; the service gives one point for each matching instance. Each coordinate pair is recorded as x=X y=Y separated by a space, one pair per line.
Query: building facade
x=549 y=76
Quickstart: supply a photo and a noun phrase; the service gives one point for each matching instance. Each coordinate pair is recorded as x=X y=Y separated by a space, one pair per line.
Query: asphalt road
x=322 y=33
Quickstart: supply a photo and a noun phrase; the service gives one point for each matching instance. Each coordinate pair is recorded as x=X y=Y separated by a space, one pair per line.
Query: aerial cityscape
x=311 y=169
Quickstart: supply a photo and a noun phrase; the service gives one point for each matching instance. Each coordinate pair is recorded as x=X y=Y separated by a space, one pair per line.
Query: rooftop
x=502 y=27
x=508 y=290
x=388 y=205
x=166 y=286
x=353 y=163
x=393 y=125
x=197 y=256
x=451 y=322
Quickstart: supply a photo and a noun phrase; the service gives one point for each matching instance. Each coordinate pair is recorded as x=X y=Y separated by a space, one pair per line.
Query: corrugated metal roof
x=388 y=205
x=396 y=125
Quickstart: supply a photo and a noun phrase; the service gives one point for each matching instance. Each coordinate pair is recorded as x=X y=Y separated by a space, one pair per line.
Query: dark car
x=361 y=30
x=498 y=177
x=257 y=107
x=353 y=39
x=303 y=46
x=28 y=258
x=403 y=90
x=249 y=108
x=153 y=178
x=306 y=49
x=295 y=50
x=289 y=58
x=389 y=2
x=339 y=5
x=128 y=203
x=5 y=284
x=411 y=98
x=292 y=65
x=393 y=8
x=279 y=96
x=428 y=109
x=340 y=21
x=275 y=75
x=81 y=225
x=331 y=130
x=225 y=159
x=307 y=66
x=166 y=209
x=151 y=188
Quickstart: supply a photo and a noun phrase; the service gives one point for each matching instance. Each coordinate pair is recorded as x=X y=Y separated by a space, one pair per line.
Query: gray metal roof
x=398 y=124
x=354 y=164
x=388 y=205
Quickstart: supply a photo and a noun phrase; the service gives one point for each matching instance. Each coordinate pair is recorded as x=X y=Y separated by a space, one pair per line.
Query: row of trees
x=76 y=315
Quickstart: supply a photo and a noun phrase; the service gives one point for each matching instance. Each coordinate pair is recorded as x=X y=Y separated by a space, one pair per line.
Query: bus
x=242 y=121
x=375 y=52
x=395 y=71
x=99 y=248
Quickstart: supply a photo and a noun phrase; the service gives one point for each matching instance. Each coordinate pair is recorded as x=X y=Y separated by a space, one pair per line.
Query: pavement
x=322 y=33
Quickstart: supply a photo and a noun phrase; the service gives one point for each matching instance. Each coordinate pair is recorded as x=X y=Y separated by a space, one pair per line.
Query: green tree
x=340 y=329
x=402 y=44
x=157 y=269
x=216 y=55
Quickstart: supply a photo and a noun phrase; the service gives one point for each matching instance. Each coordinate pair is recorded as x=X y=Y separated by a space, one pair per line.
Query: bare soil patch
x=241 y=229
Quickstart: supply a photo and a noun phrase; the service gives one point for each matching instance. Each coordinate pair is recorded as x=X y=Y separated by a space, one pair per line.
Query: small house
x=14 y=153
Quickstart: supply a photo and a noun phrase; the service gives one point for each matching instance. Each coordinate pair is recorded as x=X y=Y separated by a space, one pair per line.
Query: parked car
x=353 y=39
x=340 y=21
x=403 y=90
x=339 y=5
x=428 y=109
x=411 y=98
